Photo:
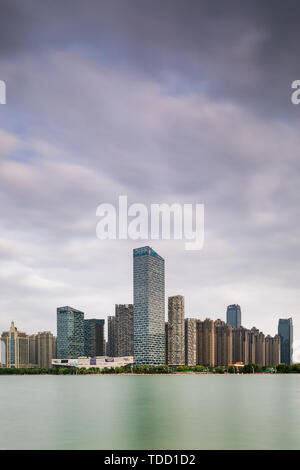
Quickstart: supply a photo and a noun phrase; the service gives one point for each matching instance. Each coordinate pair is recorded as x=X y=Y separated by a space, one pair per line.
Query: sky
x=165 y=102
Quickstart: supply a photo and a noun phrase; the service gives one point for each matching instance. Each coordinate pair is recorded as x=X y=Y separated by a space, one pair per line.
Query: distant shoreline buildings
x=139 y=334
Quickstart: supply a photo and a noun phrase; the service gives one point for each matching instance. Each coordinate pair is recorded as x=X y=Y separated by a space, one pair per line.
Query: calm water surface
x=150 y=412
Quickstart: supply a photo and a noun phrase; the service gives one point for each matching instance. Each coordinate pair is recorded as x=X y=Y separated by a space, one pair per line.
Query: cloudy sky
x=174 y=101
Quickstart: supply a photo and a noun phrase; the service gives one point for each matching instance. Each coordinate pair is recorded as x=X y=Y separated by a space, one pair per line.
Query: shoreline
x=135 y=374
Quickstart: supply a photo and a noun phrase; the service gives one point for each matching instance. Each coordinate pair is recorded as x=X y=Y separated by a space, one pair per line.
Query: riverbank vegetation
x=247 y=369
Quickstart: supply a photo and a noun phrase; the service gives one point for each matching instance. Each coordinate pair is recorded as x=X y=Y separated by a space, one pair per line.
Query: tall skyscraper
x=285 y=331
x=233 y=316
x=15 y=348
x=124 y=329
x=70 y=333
x=94 y=337
x=149 y=306
x=176 y=337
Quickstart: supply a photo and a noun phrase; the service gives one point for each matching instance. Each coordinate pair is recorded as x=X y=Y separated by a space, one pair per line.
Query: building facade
x=15 y=348
x=206 y=342
x=124 y=329
x=190 y=341
x=223 y=343
x=176 y=335
x=149 y=306
x=234 y=316
x=111 y=349
x=94 y=337
x=285 y=331
x=70 y=333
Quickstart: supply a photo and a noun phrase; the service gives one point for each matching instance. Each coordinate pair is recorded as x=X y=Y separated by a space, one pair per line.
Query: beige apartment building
x=223 y=343
x=15 y=348
x=176 y=334
x=191 y=341
x=206 y=342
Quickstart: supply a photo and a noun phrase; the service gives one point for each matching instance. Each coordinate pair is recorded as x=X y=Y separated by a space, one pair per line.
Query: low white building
x=99 y=362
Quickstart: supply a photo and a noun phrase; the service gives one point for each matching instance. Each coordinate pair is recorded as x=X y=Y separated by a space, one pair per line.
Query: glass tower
x=70 y=333
x=285 y=331
x=94 y=337
x=234 y=315
x=149 y=307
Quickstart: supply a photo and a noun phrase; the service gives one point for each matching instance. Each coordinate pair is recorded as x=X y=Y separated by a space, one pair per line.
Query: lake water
x=150 y=412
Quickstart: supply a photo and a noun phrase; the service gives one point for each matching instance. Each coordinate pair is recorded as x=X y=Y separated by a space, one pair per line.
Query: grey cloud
x=164 y=102
x=248 y=51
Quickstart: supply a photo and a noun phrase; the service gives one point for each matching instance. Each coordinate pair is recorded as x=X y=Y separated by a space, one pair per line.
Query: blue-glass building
x=149 y=307
x=70 y=333
x=94 y=337
x=285 y=331
x=234 y=316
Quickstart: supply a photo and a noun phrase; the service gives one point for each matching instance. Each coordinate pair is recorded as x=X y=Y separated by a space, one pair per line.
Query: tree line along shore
x=247 y=369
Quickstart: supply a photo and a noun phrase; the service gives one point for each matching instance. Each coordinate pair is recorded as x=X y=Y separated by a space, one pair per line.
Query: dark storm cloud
x=246 y=50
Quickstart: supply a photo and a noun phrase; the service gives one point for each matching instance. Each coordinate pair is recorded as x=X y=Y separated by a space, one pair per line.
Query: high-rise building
x=42 y=349
x=111 y=337
x=285 y=331
x=223 y=343
x=206 y=342
x=15 y=348
x=190 y=341
x=124 y=329
x=166 y=342
x=33 y=350
x=94 y=337
x=176 y=337
x=259 y=347
x=233 y=316
x=46 y=348
x=149 y=306
x=272 y=350
x=70 y=333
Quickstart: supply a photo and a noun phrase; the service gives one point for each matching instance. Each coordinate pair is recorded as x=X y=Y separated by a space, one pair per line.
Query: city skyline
x=213 y=316
x=141 y=330
x=162 y=104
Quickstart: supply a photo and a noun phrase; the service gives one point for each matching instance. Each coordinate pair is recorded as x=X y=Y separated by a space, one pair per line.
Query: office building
x=94 y=337
x=124 y=329
x=70 y=333
x=285 y=331
x=176 y=336
x=233 y=316
x=272 y=350
x=111 y=337
x=149 y=306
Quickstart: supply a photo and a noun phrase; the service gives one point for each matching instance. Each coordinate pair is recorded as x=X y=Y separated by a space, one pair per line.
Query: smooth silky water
x=150 y=412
